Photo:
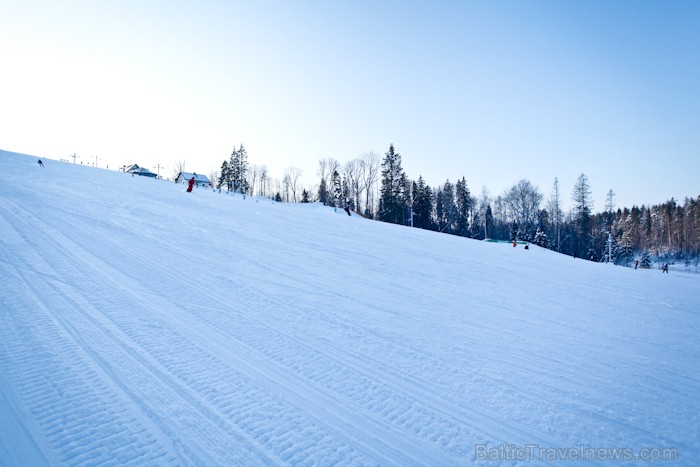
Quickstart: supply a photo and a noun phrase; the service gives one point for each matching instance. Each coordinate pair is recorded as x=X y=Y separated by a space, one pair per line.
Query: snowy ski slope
x=142 y=325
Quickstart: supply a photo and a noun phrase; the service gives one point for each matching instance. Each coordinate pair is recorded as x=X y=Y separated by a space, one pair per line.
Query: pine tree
x=415 y=204
x=405 y=200
x=238 y=168
x=224 y=177
x=323 y=192
x=449 y=210
x=475 y=226
x=540 y=238
x=646 y=260
x=623 y=252
x=234 y=171
x=543 y=220
x=556 y=214
x=347 y=198
x=439 y=209
x=337 y=188
x=305 y=196
x=422 y=206
x=582 y=209
x=609 y=206
x=243 y=158
x=488 y=220
x=514 y=232
x=392 y=200
x=463 y=207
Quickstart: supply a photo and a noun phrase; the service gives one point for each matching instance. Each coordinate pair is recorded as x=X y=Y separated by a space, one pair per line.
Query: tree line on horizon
x=378 y=188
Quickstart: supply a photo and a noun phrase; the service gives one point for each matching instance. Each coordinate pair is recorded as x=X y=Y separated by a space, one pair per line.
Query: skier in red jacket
x=190 y=184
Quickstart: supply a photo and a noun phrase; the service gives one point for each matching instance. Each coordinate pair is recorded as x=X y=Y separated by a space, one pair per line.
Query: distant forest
x=378 y=188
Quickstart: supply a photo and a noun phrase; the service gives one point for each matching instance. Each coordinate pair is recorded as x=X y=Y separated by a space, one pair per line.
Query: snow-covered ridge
x=140 y=324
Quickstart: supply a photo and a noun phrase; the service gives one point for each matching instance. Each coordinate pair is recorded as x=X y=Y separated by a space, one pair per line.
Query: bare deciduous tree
x=286 y=182
x=484 y=203
x=353 y=177
x=264 y=181
x=214 y=176
x=178 y=168
x=276 y=188
x=326 y=167
x=523 y=203
x=291 y=183
x=370 y=165
x=555 y=212
x=254 y=178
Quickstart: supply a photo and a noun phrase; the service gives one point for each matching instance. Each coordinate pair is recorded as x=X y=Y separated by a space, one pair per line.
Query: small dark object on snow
x=40 y=163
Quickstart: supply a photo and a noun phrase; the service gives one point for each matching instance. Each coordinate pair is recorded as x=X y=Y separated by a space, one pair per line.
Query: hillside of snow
x=142 y=325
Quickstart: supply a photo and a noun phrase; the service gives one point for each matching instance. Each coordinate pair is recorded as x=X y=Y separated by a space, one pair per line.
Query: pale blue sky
x=492 y=90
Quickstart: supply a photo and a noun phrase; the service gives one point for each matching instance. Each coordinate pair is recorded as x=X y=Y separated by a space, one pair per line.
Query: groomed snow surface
x=143 y=325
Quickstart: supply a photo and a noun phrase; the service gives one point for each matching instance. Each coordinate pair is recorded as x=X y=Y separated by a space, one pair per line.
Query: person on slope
x=41 y=164
x=190 y=185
